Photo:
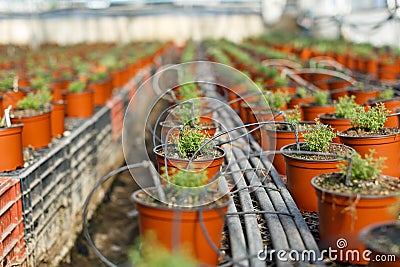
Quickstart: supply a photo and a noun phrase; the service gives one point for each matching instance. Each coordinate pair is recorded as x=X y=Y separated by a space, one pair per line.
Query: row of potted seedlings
x=39 y=95
x=189 y=213
x=347 y=200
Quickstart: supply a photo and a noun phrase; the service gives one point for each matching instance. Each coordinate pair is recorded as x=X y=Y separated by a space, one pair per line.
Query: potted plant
x=34 y=113
x=10 y=146
x=10 y=91
x=302 y=96
x=301 y=168
x=281 y=134
x=350 y=200
x=188 y=213
x=57 y=117
x=368 y=132
x=391 y=101
x=340 y=120
x=79 y=100
x=320 y=106
x=192 y=148
x=101 y=85
x=383 y=239
x=363 y=92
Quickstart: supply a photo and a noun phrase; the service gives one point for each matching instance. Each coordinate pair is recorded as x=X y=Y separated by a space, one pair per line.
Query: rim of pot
x=18 y=125
x=324 y=190
x=339 y=134
x=157 y=148
x=288 y=131
x=369 y=229
x=157 y=204
x=311 y=160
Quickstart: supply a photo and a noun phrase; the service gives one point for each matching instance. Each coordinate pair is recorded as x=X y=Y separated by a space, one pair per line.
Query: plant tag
x=15 y=84
x=7 y=116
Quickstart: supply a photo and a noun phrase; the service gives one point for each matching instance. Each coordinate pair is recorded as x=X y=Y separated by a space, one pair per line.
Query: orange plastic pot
x=380 y=256
x=11 y=148
x=299 y=173
x=57 y=119
x=37 y=130
x=298 y=100
x=1 y=106
x=212 y=166
x=338 y=124
x=392 y=105
x=178 y=228
x=278 y=139
x=11 y=98
x=343 y=216
x=100 y=92
x=388 y=71
x=79 y=105
x=362 y=97
x=387 y=146
x=233 y=94
x=310 y=112
x=57 y=87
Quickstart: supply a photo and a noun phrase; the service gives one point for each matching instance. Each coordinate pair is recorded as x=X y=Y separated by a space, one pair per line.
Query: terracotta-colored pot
x=100 y=92
x=388 y=71
x=180 y=228
x=387 y=146
x=117 y=77
x=11 y=148
x=57 y=119
x=12 y=97
x=371 y=237
x=299 y=173
x=338 y=124
x=36 y=131
x=362 y=97
x=57 y=87
x=79 y=105
x=212 y=166
x=337 y=88
x=343 y=216
x=311 y=112
x=233 y=93
x=392 y=105
x=298 y=100
x=278 y=139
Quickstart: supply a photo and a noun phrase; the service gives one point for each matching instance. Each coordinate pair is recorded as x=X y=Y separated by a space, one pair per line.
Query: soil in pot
x=301 y=168
x=11 y=148
x=383 y=240
x=345 y=210
x=385 y=142
x=37 y=127
x=180 y=228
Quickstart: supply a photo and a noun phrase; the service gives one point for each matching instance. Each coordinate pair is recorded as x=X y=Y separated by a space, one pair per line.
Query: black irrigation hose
x=87 y=202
